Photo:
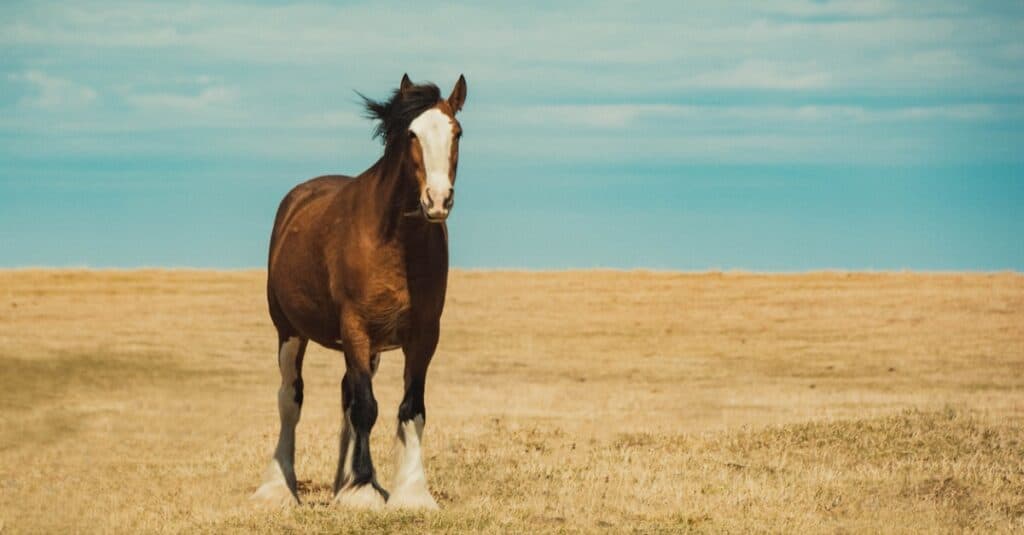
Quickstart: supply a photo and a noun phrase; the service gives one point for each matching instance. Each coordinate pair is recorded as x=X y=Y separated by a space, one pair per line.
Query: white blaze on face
x=433 y=129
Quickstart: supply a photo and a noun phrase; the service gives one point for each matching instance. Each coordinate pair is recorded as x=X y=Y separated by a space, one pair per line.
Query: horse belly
x=310 y=318
x=303 y=297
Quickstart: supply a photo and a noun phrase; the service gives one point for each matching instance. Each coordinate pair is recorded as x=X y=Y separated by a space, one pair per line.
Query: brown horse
x=361 y=265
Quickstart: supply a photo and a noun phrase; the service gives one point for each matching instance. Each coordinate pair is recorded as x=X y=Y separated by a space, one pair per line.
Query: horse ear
x=458 y=96
x=406 y=83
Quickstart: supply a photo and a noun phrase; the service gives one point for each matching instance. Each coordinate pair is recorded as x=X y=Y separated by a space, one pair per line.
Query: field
x=571 y=401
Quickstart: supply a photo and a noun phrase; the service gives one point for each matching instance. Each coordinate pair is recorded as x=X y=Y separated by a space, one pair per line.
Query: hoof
x=360 y=497
x=274 y=494
x=418 y=499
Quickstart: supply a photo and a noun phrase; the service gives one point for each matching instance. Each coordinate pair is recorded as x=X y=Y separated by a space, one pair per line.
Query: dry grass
x=579 y=401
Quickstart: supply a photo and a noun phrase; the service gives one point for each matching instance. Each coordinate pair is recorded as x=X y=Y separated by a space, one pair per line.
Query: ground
x=570 y=401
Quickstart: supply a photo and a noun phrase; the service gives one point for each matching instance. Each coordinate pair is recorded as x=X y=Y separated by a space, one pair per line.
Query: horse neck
x=390 y=189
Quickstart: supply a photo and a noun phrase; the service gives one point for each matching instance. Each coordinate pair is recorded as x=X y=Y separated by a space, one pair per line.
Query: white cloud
x=834 y=8
x=823 y=73
x=843 y=9
x=786 y=45
x=208 y=97
x=331 y=119
x=52 y=92
x=757 y=74
x=613 y=116
x=593 y=116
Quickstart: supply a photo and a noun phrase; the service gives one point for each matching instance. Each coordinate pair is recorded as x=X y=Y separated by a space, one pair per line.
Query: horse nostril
x=450 y=200
x=430 y=198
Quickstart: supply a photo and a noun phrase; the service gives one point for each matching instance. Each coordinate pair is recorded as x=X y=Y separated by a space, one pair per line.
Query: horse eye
x=412 y=135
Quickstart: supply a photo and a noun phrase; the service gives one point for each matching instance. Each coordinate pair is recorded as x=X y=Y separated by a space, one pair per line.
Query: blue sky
x=773 y=136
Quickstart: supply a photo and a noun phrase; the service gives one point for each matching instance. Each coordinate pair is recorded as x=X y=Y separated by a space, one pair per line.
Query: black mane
x=395 y=114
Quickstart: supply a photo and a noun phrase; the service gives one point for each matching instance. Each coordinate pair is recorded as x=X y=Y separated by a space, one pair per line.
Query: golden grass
x=573 y=401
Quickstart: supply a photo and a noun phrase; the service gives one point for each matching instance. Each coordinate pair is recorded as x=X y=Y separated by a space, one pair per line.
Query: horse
x=360 y=265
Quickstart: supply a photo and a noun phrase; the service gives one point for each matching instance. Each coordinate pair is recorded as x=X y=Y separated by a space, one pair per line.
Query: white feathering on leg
x=410 y=489
x=278 y=484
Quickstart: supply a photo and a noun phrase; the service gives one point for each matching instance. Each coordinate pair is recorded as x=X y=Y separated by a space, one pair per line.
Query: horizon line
x=708 y=271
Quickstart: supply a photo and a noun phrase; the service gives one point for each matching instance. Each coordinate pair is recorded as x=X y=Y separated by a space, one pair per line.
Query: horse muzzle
x=436 y=206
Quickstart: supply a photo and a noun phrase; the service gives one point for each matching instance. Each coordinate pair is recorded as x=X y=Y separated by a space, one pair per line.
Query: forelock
x=394 y=115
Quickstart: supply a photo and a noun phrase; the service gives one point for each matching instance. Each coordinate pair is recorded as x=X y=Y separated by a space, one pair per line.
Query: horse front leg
x=355 y=484
x=410 y=488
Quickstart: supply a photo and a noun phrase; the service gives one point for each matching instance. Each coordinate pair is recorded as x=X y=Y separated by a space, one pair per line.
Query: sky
x=765 y=136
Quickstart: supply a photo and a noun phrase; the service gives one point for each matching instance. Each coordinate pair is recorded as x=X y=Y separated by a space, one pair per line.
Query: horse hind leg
x=279 y=486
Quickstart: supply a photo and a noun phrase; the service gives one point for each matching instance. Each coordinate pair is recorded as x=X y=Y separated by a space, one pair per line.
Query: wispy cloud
x=665 y=74
x=330 y=119
x=833 y=8
x=615 y=116
x=759 y=74
x=208 y=97
x=52 y=93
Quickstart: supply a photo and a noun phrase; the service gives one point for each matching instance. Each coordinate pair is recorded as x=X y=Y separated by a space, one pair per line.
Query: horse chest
x=385 y=308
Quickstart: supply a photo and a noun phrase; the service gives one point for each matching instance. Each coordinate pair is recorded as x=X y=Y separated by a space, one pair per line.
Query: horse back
x=299 y=196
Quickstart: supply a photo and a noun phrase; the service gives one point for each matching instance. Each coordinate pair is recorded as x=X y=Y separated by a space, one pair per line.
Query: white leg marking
x=347 y=451
x=360 y=497
x=279 y=486
x=410 y=487
x=348 y=495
